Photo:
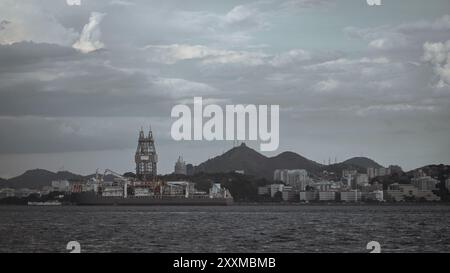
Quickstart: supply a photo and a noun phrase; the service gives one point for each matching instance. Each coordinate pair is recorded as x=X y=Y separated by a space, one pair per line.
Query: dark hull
x=91 y=199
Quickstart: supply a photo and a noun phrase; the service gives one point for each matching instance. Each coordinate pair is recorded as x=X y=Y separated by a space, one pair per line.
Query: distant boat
x=47 y=203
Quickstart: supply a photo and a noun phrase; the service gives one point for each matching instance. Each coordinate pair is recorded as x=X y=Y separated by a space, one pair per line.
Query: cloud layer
x=345 y=87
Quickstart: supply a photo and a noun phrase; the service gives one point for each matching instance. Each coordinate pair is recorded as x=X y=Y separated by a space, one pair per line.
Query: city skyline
x=78 y=81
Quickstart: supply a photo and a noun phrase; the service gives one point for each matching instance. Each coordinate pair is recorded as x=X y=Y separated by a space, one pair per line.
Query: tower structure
x=146 y=157
x=180 y=166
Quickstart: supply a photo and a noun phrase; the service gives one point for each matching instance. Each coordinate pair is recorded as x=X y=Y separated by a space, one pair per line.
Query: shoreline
x=283 y=204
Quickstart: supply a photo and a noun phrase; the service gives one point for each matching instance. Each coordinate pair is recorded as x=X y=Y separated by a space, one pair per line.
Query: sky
x=79 y=78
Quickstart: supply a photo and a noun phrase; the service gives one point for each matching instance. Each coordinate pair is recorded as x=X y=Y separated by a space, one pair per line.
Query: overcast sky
x=78 y=78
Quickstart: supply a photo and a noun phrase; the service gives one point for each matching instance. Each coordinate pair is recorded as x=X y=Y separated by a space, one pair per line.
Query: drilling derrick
x=146 y=157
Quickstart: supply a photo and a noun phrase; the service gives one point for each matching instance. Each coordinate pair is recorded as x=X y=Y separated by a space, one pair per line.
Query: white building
x=374 y=172
x=61 y=185
x=351 y=196
x=288 y=193
x=274 y=188
x=425 y=183
x=376 y=195
x=327 y=196
x=280 y=175
x=323 y=185
x=7 y=192
x=362 y=179
x=307 y=196
x=403 y=192
x=298 y=178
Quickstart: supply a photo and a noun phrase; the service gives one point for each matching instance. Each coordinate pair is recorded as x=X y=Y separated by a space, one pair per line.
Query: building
x=327 y=196
x=189 y=169
x=264 y=190
x=288 y=194
x=307 y=196
x=7 y=192
x=271 y=189
x=346 y=173
x=351 y=196
x=447 y=184
x=323 y=185
x=376 y=195
x=298 y=178
x=280 y=175
x=425 y=183
x=24 y=192
x=61 y=185
x=349 y=177
x=146 y=157
x=407 y=192
x=374 y=172
x=274 y=188
x=180 y=166
x=362 y=179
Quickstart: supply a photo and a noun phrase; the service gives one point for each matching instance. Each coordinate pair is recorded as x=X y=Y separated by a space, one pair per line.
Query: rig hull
x=92 y=199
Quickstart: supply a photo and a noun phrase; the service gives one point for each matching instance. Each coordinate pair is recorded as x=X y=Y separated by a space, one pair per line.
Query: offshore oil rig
x=146 y=158
x=145 y=188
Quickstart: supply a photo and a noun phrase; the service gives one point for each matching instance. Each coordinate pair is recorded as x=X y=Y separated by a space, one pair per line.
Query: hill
x=37 y=178
x=256 y=164
x=362 y=162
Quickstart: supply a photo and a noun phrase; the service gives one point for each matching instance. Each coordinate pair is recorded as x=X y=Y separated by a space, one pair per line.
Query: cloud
x=121 y=3
x=170 y=54
x=4 y=24
x=395 y=108
x=292 y=56
x=90 y=36
x=28 y=21
x=73 y=2
x=438 y=54
x=245 y=16
x=327 y=85
x=304 y=4
x=181 y=88
x=404 y=35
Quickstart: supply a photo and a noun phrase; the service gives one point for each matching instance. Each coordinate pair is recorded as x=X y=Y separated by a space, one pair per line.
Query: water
x=226 y=229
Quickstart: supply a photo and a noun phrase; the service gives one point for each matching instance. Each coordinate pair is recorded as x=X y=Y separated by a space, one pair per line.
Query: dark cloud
x=342 y=102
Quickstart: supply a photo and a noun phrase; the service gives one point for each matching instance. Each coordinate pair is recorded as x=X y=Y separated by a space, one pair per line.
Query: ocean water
x=225 y=229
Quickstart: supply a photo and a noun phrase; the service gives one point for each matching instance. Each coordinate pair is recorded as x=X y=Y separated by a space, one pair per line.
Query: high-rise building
x=146 y=157
x=189 y=169
x=180 y=166
x=374 y=172
x=297 y=178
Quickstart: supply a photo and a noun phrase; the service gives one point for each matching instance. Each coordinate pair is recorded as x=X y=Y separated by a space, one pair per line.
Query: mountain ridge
x=256 y=164
x=238 y=158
